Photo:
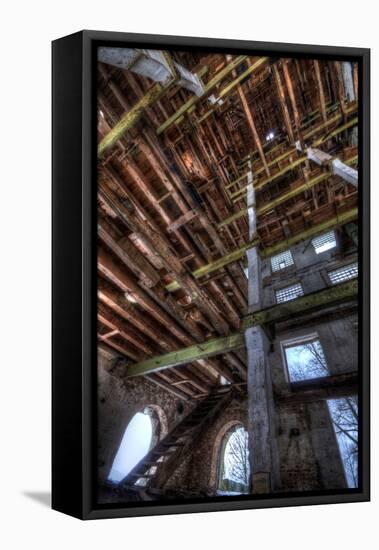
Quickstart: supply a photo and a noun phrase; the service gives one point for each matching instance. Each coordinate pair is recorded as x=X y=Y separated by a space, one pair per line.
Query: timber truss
x=181 y=138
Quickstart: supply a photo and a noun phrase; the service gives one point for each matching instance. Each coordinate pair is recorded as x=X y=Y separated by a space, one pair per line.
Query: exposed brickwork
x=118 y=401
x=308 y=452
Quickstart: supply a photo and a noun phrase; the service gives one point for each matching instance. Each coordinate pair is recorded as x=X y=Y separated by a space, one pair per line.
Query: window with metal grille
x=282 y=260
x=289 y=293
x=344 y=273
x=324 y=242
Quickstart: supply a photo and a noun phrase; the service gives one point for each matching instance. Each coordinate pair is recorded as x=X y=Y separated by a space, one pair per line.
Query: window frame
x=281 y=288
x=342 y=267
x=322 y=235
x=288 y=251
x=221 y=453
x=298 y=341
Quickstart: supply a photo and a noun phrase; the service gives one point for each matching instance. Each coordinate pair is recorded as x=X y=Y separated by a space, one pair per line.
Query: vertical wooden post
x=295 y=110
x=320 y=90
x=283 y=104
x=261 y=425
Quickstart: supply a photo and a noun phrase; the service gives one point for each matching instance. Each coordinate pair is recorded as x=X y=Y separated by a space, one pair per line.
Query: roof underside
x=172 y=197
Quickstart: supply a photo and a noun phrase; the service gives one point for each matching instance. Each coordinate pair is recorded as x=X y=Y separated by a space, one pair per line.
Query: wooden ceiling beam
x=326 y=297
x=328 y=387
x=117 y=302
x=238 y=195
x=112 y=271
x=283 y=103
x=125 y=330
x=236 y=255
x=172 y=264
x=187 y=355
x=207 y=89
x=321 y=92
x=250 y=120
x=292 y=97
x=129 y=119
x=306 y=185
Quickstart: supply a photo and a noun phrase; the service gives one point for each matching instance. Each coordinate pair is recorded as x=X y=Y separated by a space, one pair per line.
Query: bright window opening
x=282 y=260
x=344 y=273
x=234 y=463
x=289 y=293
x=324 y=242
x=135 y=444
x=305 y=360
x=344 y=415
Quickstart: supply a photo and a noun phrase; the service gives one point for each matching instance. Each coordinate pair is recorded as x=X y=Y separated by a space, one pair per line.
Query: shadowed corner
x=41 y=497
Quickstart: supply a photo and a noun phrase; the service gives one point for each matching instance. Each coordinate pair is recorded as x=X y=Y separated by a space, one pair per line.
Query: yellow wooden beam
x=129 y=119
x=339 y=219
x=187 y=355
x=225 y=91
x=207 y=88
x=286 y=196
x=329 y=296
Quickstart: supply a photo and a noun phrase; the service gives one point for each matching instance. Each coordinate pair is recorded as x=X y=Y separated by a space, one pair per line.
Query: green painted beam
x=339 y=219
x=286 y=196
x=274 y=203
x=207 y=88
x=337 y=131
x=238 y=195
x=129 y=119
x=225 y=260
x=329 y=296
x=261 y=169
x=307 y=135
x=187 y=355
x=233 y=84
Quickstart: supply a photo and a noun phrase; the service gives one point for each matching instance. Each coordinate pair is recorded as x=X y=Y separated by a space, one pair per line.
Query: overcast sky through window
x=134 y=445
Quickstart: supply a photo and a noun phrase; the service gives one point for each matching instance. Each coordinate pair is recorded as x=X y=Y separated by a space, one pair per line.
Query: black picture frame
x=74 y=274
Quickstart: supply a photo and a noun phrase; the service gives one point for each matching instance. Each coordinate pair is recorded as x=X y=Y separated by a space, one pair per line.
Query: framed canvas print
x=210 y=274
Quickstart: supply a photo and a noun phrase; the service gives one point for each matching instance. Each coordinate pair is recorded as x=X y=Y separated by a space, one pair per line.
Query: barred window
x=282 y=260
x=344 y=273
x=289 y=293
x=324 y=242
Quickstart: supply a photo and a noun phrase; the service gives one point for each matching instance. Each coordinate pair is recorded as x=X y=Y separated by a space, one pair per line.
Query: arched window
x=135 y=444
x=234 y=467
